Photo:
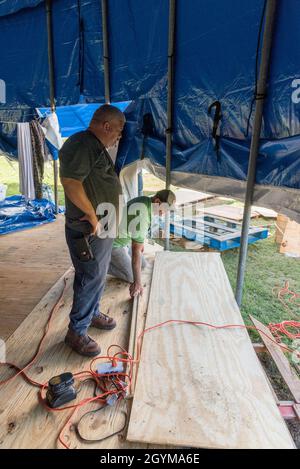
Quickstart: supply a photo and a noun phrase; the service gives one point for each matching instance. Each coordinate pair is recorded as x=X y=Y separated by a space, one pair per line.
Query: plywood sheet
x=187 y=196
x=197 y=386
x=229 y=212
x=291 y=239
x=265 y=212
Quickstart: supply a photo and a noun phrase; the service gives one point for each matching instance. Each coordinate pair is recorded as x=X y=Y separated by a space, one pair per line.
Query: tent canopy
x=77 y=117
x=217 y=48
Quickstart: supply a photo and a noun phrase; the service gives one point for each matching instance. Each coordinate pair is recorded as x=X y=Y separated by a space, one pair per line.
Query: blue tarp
x=278 y=160
x=17 y=214
x=75 y=118
x=215 y=59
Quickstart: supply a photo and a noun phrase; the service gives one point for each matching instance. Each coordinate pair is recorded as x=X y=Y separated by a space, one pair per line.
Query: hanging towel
x=38 y=156
x=25 y=160
x=52 y=134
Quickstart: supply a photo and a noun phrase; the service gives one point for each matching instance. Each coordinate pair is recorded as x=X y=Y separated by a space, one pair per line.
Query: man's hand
x=135 y=289
x=93 y=221
x=76 y=193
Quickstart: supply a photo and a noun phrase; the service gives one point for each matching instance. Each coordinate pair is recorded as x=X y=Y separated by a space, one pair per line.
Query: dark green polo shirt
x=84 y=158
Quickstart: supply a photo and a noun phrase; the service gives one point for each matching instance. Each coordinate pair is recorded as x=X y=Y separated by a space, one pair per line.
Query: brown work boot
x=82 y=344
x=103 y=322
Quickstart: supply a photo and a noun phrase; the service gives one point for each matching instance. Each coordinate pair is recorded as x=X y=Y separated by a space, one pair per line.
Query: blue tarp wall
x=216 y=55
x=76 y=118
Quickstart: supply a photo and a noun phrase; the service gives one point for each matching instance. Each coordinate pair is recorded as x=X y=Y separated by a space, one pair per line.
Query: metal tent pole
x=170 y=104
x=254 y=148
x=52 y=88
x=105 y=50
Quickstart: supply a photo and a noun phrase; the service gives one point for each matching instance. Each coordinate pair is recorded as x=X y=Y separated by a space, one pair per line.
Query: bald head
x=107 y=113
x=107 y=124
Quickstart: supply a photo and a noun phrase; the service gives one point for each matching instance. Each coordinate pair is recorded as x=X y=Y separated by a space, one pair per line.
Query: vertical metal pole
x=105 y=50
x=170 y=104
x=52 y=88
x=254 y=148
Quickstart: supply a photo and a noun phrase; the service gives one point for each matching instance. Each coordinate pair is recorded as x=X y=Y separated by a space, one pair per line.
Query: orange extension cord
x=285 y=295
x=121 y=356
x=290 y=329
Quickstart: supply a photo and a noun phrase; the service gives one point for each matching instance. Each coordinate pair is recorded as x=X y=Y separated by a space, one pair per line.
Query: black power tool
x=60 y=390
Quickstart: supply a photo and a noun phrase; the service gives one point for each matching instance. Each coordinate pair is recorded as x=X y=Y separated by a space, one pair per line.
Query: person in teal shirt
x=127 y=258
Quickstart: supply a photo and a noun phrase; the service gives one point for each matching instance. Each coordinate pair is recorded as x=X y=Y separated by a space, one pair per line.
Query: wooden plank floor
x=24 y=423
x=198 y=386
x=31 y=261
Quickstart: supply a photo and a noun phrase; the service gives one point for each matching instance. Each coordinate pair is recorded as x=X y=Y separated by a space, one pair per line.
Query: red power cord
x=292 y=297
x=285 y=327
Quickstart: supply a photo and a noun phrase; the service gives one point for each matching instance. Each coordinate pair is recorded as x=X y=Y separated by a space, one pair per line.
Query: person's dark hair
x=106 y=113
x=166 y=196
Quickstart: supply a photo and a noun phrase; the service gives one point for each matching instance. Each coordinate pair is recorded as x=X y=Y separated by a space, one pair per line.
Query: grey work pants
x=121 y=264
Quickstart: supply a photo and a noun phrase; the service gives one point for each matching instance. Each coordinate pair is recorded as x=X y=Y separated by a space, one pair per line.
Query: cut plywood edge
x=139 y=310
x=197 y=386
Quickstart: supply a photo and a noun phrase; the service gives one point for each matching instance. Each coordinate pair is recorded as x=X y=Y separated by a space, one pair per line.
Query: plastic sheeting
x=216 y=51
x=201 y=158
x=75 y=118
x=24 y=61
x=13 y=6
x=17 y=214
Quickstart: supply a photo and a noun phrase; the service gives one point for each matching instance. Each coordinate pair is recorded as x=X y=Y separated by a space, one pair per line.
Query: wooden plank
x=291 y=239
x=220 y=237
x=31 y=261
x=219 y=226
x=136 y=313
x=296 y=408
x=24 y=423
x=260 y=348
x=198 y=231
x=280 y=224
x=195 y=230
x=229 y=212
x=187 y=196
x=197 y=386
x=186 y=244
x=139 y=310
x=252 y=231
x=265 y=212
x=289 y=375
